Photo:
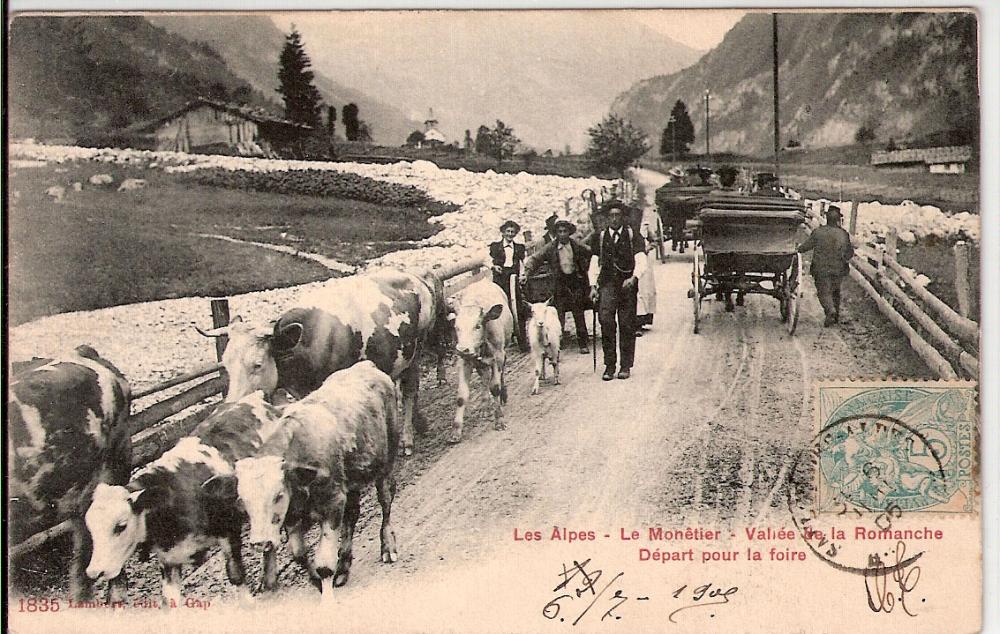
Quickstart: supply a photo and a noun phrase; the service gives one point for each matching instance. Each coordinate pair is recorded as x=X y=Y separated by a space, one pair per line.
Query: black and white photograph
x=480 y=320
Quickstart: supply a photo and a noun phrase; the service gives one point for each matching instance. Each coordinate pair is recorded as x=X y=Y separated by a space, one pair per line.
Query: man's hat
x=676 y=171
x=550 y=222
x=565 y=223
x=615 y=204
x=834 y=210
x=510 y=223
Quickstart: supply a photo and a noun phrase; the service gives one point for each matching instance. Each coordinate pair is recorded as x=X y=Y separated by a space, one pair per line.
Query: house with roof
x=936 y=160
x=213 y=127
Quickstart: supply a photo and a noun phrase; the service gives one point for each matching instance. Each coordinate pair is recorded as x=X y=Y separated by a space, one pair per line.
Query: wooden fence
x=153 y=434
x=947 y=340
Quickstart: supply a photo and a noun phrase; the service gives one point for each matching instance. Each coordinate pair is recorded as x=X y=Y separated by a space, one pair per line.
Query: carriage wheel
x=793 y=292
x=696 y=283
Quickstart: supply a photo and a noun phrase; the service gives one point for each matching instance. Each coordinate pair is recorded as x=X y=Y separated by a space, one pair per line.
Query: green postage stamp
x=905 y=446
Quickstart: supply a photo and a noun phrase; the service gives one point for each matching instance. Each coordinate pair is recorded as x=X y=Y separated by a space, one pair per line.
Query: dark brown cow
x=387 y=316
x=67 y=420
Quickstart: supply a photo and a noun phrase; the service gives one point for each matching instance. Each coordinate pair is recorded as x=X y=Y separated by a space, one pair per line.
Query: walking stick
x=593 y=347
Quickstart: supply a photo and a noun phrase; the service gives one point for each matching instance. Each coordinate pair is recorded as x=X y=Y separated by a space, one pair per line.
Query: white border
x=989 y=25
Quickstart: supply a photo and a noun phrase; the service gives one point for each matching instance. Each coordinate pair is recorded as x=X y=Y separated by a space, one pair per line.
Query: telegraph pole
x=673 y=136
x=774 y=55
x=708 y=150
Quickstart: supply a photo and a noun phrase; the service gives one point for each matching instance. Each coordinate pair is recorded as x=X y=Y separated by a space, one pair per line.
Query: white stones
x=131 y=184
x=101 y=179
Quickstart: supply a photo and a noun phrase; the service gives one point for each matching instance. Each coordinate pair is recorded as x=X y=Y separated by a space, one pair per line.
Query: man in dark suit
x=619 y=258
x=567 y=262
x=831 y=257
x=507 y=259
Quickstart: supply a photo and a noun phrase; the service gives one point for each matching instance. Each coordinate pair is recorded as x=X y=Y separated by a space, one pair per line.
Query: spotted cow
x=387 y=316
x=183 y=503
x=329 y=447
x=67 y=421
x=483 y=328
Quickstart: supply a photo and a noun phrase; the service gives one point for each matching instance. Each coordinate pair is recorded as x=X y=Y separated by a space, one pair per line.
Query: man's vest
x=617 y=260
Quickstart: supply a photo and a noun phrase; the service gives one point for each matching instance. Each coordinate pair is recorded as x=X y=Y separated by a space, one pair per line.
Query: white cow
x=544 y=335
x=483 y=328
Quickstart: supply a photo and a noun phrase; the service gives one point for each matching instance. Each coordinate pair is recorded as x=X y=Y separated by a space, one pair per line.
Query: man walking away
x=507 y=257
x=567 y=262
x=832 y=252
x=619 y=258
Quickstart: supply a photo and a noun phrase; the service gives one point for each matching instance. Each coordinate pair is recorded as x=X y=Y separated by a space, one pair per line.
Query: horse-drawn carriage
x=747 y=246
x=677 y=206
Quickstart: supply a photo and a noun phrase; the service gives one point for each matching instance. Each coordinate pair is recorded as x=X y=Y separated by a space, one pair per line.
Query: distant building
x=936 y=160
x=432 y=136
x=213 y=127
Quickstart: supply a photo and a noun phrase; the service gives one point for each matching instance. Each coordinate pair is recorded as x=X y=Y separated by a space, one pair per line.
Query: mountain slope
x=905 y=75
x=251 y=45
x=549 y=74
x=77 y=76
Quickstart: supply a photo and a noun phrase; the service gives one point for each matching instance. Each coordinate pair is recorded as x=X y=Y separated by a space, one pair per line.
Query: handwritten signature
x=585 y=587
x=883 y=597
x=716 y=595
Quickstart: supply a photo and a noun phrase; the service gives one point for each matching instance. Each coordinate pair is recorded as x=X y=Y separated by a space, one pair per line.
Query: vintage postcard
x=494 y=321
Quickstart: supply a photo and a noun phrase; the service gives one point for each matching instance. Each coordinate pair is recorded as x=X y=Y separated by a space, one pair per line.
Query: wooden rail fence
x=945 y=339
x=153 y=435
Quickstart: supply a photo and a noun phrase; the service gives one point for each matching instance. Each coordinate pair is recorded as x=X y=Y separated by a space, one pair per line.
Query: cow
x=387 y=316
x=68 y=424
x=483 y=328
x=329 y=447
x=544 y=336
x=184 y=503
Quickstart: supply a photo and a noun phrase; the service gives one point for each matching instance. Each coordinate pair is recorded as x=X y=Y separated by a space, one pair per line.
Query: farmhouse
x=936 y=160
x=206 y=126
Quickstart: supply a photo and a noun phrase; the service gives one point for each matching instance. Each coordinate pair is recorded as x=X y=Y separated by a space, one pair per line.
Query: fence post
x=220 y=317
x=853 y=226
x=890 y=244
x=962 y=278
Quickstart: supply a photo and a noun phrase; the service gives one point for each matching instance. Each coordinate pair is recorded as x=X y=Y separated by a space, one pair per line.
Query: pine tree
x=303 y=103
x=679 y=133
x=331 y=120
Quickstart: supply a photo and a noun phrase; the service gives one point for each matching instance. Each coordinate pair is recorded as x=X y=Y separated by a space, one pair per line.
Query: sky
x=698 y=28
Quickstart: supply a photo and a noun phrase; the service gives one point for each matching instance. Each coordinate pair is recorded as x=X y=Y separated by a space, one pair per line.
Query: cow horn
x=222 y=331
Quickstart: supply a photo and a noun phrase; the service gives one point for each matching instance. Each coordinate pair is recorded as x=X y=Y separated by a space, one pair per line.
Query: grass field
x=937 y=261
x=100 y=247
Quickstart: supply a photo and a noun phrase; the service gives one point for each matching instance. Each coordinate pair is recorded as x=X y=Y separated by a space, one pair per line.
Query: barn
x=214 y=127
x=936 y=160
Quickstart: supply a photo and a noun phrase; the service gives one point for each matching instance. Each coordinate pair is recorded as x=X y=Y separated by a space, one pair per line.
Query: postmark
x=884 y=457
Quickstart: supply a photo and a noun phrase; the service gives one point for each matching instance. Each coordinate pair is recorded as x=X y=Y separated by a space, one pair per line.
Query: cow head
x=116 y=520
x=248 y=358
x=470 y=327
x=265 y=495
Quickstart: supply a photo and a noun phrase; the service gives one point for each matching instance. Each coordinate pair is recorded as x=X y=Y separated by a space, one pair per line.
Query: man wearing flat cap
x=507 y=258
x=832 y=252
x=619 y=259
x=567 y=261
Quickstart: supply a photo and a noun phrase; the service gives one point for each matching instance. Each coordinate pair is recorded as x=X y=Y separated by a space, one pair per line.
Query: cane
x=593 y=347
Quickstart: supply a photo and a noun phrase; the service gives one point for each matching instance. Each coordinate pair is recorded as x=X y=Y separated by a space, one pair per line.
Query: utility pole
x=708 y=150
x=673 y=136
x=774 y=54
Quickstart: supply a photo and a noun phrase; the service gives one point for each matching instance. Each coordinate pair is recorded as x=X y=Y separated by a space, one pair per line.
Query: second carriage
x=748 y=246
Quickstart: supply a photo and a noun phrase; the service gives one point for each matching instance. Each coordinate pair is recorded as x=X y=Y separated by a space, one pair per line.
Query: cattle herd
x=320 y=401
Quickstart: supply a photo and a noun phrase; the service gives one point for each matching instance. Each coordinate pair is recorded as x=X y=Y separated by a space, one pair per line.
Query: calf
x=330 y=446
x=68 y=425
x=183 y=503
x=483 y=328
x=387 y=316
x=544 y=336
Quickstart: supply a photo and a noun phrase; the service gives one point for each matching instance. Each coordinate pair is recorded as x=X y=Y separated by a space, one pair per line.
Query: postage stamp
x=908 y=446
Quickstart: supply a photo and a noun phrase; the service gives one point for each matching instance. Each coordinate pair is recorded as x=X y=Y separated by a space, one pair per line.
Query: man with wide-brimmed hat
x=832 y=253
x=507 y=258
x=567 y=262
x=618 y=260
x=550 y=228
